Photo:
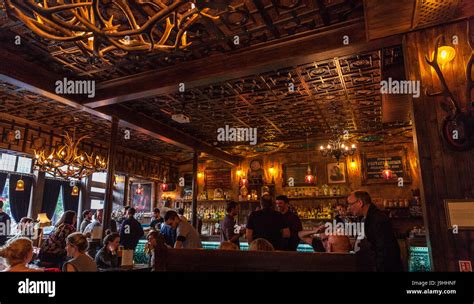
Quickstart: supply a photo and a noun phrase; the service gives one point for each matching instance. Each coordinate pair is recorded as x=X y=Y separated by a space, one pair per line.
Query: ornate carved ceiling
x=317 y=98
x=251 y=21
x=19 y=103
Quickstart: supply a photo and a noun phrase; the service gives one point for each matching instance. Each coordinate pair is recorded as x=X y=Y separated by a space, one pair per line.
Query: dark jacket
x=382 y=241
x=105 y=259
x=130 y=233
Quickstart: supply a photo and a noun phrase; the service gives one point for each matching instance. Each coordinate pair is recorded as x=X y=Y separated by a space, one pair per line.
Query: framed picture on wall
x=336 y=173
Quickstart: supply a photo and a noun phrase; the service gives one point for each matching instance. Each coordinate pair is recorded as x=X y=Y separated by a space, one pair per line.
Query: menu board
x=373 y=165
x=218 y=179
x=297 y=172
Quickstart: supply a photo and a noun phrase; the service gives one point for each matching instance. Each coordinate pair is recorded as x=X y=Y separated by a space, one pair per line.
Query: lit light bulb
x=353 y=146
x=321 y=148
x=446 y=54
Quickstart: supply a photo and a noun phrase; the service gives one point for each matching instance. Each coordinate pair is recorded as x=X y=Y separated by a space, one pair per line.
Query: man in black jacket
x=378 y=232
x=131 y=231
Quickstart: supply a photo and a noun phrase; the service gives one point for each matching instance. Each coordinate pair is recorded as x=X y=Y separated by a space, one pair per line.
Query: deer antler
x=470 y=81
x=445 y=92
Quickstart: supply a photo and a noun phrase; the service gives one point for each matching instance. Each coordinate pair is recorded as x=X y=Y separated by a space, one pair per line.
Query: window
x=6 y=202
x=97 y=190
x=97 y=204
x=99 y=177
x=13 y=163
x=24 y=165
x=58 y=212
x=7 y=162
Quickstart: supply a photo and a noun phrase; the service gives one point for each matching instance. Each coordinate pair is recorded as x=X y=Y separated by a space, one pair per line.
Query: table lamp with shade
x=43 y=220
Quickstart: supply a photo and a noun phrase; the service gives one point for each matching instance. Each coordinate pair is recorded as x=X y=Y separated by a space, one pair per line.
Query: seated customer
x=186 y=235
x=53 y=250
x=25 y=228
x=228 y=245
x=326 y=243
x=18 y=254
x=261 y=245
x=157 y=249
x=107 y=256
x=76 y=247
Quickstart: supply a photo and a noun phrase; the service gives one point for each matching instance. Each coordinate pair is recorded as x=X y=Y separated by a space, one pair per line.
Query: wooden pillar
x=445 y=173
x=36 y=201
x=195 y=187
x=109 y=190
x=126 y=191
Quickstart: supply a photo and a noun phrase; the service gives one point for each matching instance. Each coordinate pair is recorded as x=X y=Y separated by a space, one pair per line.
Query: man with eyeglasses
x=378 y=232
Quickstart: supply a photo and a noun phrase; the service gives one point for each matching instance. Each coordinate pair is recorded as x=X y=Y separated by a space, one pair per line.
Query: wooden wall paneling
x=444 y=173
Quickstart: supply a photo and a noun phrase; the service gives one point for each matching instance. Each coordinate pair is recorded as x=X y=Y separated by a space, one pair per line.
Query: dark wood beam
x=19 y=72
x=163 y=132
x=302 y=48
x=195 y=187
x=109 y=189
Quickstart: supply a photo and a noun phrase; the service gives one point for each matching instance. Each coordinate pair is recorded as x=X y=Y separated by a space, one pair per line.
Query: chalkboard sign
x=374 y=163
x=297 y=172
x=218 y=179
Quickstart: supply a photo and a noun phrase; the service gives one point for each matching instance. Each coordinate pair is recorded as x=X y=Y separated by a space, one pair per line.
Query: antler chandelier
x=337 y=148
x=98 y=27
x=67 y=162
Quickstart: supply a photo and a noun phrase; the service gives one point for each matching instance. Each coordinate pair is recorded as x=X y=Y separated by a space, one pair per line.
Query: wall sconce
x=272 y=172
x=353 y=164
x=200 y=174
x=446 y=54
x=20 y=185
x=240 y=172
x=457 y=118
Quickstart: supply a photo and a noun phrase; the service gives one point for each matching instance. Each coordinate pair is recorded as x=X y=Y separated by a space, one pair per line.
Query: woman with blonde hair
x=76 y=247
x=228 y=245
x=261 y=245
x=18 y=253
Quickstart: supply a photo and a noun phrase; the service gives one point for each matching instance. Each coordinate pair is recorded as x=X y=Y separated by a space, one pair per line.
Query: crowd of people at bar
x=274 y=226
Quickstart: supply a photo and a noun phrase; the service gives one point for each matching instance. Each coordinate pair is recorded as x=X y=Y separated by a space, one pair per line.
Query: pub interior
x=188 y=105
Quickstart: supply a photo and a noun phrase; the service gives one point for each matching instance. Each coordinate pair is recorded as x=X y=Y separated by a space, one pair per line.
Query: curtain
x=19 y=200
x=70 y=202
x=51 y=191
x=3 y=180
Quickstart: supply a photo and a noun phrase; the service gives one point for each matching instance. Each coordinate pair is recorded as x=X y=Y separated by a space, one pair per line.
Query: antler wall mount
x=457 y=129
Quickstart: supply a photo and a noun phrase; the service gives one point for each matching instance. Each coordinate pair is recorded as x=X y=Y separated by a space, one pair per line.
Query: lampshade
x=75 y=191
x=20 y=185
x=164 y=186
x=309 y=178
x=387 y=173
x=43 y=220
x=446 y=54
